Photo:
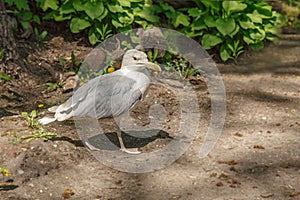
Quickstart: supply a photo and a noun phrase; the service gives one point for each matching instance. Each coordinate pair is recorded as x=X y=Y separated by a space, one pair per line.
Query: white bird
x=109 y=95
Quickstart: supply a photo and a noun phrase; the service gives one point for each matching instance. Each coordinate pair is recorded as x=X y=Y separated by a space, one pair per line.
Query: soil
x=256 y=157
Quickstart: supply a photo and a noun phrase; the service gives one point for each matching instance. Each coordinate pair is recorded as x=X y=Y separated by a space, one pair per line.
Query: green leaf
x=135 y=39
x=257 y=46
x=255 y=17
x=194 y=12
x=78 y=5
x=124 y=3
x=21 y=5
x=9 y=2
x=194 y=33
x=233 y=6
x=236 y=30
x=146 y=13
x=198 y=25
x=166 y=7
x=116 y=24
x=143 y=23
x=27 y=16
x=126 y=18
x=36 y=19
x=269 y=28
x=115 y=8
x=61 y=17
x=93 y=39
x=257 y=35
x=225 y=26
x=224 y=53
x=93 y=10
x=248 y=40
x=78 y=25
x=215 y=5
x=67 y=8
x=45 y=4
x=247 y=25
x=210 y=21
x=4 y=76
x=264 y=9
x=33 y=114
x=271 y=37
x=24 y=24
x=43 y=35
x=104 y=14
x=209 y=41
x=181 y=19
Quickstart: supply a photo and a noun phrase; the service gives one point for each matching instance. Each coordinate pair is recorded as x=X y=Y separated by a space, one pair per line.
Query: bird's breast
x=142 y=81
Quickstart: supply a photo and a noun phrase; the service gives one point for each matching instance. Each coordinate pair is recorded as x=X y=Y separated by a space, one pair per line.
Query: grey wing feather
x=105 y=96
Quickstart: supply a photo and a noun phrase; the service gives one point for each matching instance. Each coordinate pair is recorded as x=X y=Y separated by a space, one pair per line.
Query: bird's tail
x=46 y=120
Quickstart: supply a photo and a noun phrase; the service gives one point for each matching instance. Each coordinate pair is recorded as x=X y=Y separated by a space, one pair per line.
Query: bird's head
x=137 y=61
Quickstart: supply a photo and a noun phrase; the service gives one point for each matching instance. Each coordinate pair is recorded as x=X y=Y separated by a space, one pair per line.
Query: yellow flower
x=41 y=105
x=81 y=83
x=110 y=69
x=5 y=172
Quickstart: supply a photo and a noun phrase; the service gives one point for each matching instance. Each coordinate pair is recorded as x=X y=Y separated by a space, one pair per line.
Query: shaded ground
x=257 y=156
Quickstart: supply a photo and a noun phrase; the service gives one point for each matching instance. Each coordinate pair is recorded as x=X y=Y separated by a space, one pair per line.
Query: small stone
x=267 y=195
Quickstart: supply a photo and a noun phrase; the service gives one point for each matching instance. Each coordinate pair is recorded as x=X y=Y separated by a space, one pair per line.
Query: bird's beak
x=153 y=66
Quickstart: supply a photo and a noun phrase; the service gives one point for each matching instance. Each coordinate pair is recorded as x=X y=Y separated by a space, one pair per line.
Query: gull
x=109 y=95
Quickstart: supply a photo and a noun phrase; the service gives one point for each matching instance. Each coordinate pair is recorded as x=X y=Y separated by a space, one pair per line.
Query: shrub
x=228 y=26
x=101 y=17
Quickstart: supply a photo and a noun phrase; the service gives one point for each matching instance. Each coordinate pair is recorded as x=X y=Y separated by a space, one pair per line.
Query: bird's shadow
x=109 y=141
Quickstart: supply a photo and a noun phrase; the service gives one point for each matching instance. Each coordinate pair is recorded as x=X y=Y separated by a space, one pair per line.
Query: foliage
x=40 y=36
x=54 y=86
x=30 y=119
x=38 y=129
x=2 y=54
x=21 y=10
x=227 y=26
x=180 y=64
x=39 y=133
x=5 y=77
x=100 y=17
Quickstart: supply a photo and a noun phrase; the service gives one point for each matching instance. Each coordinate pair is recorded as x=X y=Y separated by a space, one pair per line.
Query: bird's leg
x=123 y=148
x=119 y=133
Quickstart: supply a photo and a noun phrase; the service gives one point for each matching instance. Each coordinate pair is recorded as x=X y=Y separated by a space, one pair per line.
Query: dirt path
x=257 y=156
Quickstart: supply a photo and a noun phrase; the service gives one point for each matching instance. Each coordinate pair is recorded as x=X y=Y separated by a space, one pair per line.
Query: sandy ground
x=256 y=157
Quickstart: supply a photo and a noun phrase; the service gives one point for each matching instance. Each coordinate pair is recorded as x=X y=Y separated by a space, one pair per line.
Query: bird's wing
x=105 y=96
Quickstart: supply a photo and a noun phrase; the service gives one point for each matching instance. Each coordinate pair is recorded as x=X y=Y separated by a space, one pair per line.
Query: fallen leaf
x=223 y=176
x=258 y=147
x=238 y=134
x=68 y=193
x=219 y=184
x=230 y=162
x=118 y=182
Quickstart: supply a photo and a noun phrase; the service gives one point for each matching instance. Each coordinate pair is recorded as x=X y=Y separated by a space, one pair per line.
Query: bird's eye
x=135 y=58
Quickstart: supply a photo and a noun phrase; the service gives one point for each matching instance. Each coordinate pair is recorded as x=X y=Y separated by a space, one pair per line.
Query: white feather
x=46 y=120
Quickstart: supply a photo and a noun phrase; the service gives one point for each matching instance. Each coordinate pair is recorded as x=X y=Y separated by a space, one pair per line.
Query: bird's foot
x=91 y=147
x=131 y=151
